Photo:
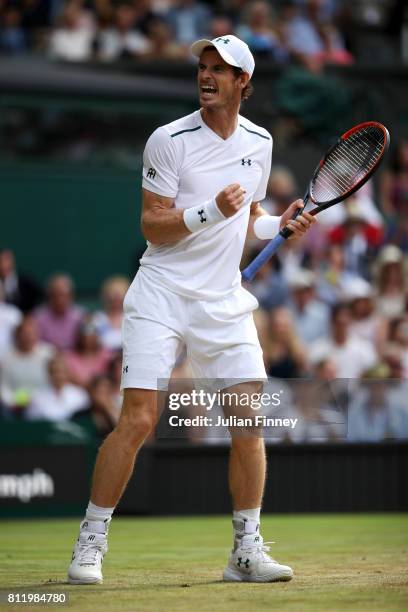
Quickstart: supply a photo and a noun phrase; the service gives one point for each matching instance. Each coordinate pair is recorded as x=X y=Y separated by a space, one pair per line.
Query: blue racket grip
x=266 y=253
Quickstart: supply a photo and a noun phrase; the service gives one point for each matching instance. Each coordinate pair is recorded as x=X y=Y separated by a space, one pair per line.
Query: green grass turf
x=341 y=562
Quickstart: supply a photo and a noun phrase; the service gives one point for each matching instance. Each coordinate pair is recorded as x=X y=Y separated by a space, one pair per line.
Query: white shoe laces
x=260 y=549
x=88 y=552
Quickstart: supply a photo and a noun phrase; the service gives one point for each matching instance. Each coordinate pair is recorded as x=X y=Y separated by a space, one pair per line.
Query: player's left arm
x=272 y=225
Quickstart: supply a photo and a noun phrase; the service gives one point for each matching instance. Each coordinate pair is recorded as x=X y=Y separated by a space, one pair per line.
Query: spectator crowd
x=58 y=361
x=333 y=306
x=313 y=32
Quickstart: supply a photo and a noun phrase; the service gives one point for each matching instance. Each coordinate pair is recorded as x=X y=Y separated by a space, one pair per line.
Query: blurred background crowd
x=58 y=361
x=313 y=32
x=332 y=306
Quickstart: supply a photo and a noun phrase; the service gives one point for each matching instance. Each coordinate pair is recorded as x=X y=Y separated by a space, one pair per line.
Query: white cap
x=232 y=50
x=301 y=278
x=357 y=288
x=390 y=254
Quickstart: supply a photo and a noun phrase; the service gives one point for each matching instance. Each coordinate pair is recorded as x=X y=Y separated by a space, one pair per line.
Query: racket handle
x=287 y=232
x=261 y=259
x=271 y=248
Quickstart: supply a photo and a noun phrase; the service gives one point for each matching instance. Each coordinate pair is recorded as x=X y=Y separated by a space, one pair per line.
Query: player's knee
x=145 y=422
x=136 y=423
x=134 y=430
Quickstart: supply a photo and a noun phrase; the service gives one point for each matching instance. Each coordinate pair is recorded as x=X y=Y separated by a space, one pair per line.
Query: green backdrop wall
x=62 y=218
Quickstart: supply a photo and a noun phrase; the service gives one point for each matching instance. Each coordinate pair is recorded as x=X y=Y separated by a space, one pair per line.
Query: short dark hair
x=248 y=89
x=337 y=309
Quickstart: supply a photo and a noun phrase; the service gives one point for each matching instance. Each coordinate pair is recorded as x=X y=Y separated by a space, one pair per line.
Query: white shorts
x=220 y=336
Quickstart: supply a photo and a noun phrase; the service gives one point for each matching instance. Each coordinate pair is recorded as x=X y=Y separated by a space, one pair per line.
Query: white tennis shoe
x=88 y=554
x=249 y=562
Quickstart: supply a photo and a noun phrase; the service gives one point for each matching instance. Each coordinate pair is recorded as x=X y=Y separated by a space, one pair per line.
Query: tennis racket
x=347 y=165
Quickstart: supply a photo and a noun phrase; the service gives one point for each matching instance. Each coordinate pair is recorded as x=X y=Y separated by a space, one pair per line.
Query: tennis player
x=203 y=178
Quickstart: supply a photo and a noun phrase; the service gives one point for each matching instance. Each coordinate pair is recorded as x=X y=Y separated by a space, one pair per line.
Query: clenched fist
x=230 y=199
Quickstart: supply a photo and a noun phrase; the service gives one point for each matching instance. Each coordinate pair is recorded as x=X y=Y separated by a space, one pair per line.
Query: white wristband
x=266 y=227
x=198 y=217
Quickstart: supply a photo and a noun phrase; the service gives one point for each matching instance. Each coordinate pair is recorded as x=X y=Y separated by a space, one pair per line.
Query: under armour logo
x=224 y=40
x=200 y=213
x=151 y=173
x=125 y=370
x=256 y=539
x=241 y=562
x=245 y=162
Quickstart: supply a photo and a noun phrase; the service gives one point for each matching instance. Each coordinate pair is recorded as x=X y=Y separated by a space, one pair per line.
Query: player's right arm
x=161 y=223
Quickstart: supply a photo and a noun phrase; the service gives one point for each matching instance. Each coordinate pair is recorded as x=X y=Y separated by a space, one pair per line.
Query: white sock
x=97 y=518
x=252 y=514
x=246 y=521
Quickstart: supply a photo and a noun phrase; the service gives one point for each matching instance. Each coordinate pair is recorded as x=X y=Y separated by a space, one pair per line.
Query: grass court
x=341 y=562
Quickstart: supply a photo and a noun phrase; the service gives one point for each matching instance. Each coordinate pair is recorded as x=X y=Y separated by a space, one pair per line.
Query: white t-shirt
x=113 y=43
x=49 y=405
x=110 y=337
x=10 y=317
x=352 y=358
x=72 y=45
x=188 y=161
x=26 y=371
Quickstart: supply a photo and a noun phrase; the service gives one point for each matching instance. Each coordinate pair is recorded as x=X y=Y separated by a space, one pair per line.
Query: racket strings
x=348 y=163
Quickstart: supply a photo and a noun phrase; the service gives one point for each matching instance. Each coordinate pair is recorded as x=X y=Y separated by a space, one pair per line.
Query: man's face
x=217 y=84
x=342 y=320
x=6 y=263
x=60 y=295
x=27 y=335
x=302 y=296
x=58 y=372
